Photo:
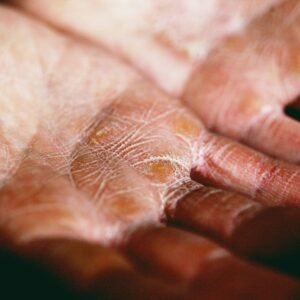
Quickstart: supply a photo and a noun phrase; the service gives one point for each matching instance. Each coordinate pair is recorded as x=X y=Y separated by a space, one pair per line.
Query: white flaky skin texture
x=235 y=63
x=99 y=150
x=93 y=156
x=104 y=151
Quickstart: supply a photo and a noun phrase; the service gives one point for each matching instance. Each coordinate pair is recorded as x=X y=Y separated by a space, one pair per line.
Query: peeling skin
x=122 y=140
x=138 y=141
x=226 y=164
x=110 y=154
x=205 y=53
x=187 y=126
x=124 y=151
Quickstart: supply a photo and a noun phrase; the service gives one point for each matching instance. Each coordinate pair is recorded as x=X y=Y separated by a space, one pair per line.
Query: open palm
x=235 y=64
x=94 y=158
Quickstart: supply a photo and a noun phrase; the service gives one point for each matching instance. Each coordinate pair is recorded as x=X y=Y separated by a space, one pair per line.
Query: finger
x=226 y=164
x=37 y=203
x=243 y=86
x=154 y=33
x=32 y=280
x=276 y=134
x=296 y=103
x=185 y=257
x=268 y=235
x=93 y=271
x=136 y=156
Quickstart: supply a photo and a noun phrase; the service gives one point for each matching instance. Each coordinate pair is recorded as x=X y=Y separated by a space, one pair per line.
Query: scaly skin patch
x=79 y=184
x=139 y=144
x=126 y=207
x=160 y=171
x=102 y=134
x=187 y=125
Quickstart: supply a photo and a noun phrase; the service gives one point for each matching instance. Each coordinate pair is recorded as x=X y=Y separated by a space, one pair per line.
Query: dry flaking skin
x=235 y=64
x=109 y=154
x=118 y=143
x=103 y=136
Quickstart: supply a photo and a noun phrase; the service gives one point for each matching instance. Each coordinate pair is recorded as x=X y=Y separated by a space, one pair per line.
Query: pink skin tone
x=103 y=156
x=237 y=78
x=253 y=111
x=165 y=39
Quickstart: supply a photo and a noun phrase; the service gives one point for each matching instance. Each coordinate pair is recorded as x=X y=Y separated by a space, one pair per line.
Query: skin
x=256 y=110
x=207 y=55
x=104 y=157
x=173 y=34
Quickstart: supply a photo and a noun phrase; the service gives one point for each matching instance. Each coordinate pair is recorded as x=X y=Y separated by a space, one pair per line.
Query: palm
x=96 y=154
x=237 y=76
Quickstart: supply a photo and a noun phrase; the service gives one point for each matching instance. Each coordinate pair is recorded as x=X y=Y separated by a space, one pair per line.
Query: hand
x=101 y=158
x=238 y=78
x=247 y=82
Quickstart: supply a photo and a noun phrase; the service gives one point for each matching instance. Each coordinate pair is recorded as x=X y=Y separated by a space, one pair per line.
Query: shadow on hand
x=24 y=279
